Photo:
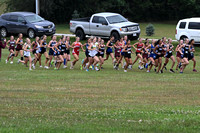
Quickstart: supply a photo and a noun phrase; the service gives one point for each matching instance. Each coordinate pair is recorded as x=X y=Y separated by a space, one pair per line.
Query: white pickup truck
x=105 y=25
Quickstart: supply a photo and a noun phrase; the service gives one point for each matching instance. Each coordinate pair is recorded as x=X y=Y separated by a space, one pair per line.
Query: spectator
x=2 y=44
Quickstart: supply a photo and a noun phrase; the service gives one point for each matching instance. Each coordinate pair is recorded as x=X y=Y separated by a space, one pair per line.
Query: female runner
x=11 y=46
x=127 y=56
x=184 y=50
x=169 y=55
x=139 y=51
x=43 y=50
x=93 y=51
x=19 y=46
x=86 y=60
x=178 y=54
x=158 y=51
x=191 y=54
x=152 y=56
x=59 y=50
x=109 y=50
x=51 y=52
x=27 y=53
x=76 y=46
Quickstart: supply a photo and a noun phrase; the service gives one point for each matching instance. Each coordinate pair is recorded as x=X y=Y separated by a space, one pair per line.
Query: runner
x=43 y=50
x=184 y=50
x=146 y=53
x=76 y=46
x=93 y=51
x=152 y=56
x=139 y=51
x=127 y=56
x=68 y=46
x=158 y=51
x=59 y=50
x=169 y=55
x=109 y=51
x=191 y=54
x=101 y=53
x=178 y=54
x=123 y=42
x=11 y=46
x=27 y=53
x=118 y=48
x=19 y=45
x=51 y=52
x=86 y=60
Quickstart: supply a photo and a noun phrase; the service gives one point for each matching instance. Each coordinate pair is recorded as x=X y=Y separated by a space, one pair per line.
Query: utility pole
x=37 y=6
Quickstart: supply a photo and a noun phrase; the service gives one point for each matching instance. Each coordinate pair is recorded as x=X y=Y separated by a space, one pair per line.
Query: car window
x=13 y=18
x=194 y=25
x=182 y=25
x=100 y=20
x=20 y=19
x=5 y=17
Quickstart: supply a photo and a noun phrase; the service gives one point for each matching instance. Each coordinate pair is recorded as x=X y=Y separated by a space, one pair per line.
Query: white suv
x=188 y=28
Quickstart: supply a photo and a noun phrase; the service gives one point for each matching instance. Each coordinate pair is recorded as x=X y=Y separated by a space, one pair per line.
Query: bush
x=150 y=30
x=75 y=15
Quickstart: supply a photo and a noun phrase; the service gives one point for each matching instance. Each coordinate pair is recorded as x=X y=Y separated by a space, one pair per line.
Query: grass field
x=106 y=101
x=161 y=29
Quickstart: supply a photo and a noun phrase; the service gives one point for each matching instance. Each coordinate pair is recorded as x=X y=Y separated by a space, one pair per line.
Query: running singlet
x=63 y=47
x=102 y=49
x=44 y=43
x=19 y=46
x=139 y=47
x=76 y=48
x=160 y=49
x=12 y=45
x=186 y=51
x=93 y=52
x=109 y=50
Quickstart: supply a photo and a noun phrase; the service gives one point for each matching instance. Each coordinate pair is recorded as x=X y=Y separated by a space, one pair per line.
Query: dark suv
x=25 y=22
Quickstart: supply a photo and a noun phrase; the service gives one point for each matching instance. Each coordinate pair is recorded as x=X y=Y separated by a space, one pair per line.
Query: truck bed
x=82 y=19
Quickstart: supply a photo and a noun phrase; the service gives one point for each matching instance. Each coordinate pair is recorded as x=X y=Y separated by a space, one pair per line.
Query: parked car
x=25 y=22
x=188 y=28
x=105 y=25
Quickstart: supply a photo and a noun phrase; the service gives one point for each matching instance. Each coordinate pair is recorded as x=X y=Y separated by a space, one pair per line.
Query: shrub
x=150 y=30
x=75 y=14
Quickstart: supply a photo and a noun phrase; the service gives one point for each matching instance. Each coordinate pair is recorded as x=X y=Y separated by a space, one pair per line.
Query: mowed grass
x=106 y=101
x=166 y=29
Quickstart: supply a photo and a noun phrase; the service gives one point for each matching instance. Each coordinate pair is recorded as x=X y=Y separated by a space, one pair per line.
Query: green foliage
x=150 y=30
x=75 y=15
x=137 y=10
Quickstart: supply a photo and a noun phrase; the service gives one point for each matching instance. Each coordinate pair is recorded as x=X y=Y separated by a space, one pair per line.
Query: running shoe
x=6 y=61
x=146 y=66
x=87 y=70
x=155 y=69
x=41 y=66
x=18 y=61
x=161 y=71
x=81 y=67
x=71 y=66
x=30 y=69
x=125 y=71
x=92 y=67
x=96 y=69
x=64 y=66
x=11 y=62
x=33 y=66
x=166 y=68
x=148 y=71
x=194 y=70
x=171 y=70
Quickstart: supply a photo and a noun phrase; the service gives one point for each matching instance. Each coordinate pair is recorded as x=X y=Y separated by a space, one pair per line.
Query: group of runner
x=149 y=54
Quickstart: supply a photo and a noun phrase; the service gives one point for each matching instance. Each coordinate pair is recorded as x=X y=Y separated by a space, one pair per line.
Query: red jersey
x=12 y=44
x=139 y=47
x=76 y=48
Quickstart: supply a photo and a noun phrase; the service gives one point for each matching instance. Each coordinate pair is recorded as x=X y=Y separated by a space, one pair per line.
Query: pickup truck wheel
x=116 y=35
x=3 y=32
x=80 y=34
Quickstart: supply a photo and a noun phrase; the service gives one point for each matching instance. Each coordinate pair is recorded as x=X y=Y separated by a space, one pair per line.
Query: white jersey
x=27 y=53
x=38 y=47
x=93 y=52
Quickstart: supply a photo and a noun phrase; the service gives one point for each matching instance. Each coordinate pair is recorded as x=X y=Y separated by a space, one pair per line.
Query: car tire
x=116 y=35
x=3 y=32
x=31 y=33
x=183 y=38
x=80 y=34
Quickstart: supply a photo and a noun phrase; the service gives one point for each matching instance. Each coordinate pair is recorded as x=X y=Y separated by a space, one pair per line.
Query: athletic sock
x=64 y=61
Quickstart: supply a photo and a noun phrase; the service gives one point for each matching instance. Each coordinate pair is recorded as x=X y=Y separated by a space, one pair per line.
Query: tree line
x=61 y=11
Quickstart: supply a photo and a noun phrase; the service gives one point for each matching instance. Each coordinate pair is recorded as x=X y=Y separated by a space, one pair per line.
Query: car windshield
x=34 y=18
x=116 y=19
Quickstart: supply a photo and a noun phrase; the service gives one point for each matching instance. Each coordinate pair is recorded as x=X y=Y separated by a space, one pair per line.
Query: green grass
x=166 y=29
x=106 y=101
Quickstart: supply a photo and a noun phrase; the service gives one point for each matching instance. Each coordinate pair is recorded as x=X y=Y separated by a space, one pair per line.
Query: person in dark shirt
x=2 y=44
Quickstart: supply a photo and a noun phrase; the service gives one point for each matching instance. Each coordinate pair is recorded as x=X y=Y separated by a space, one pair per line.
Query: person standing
x=2 y=44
